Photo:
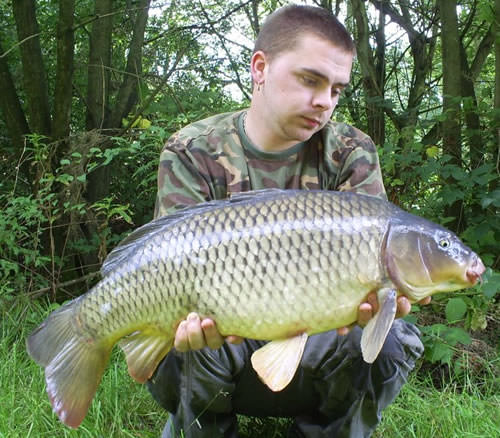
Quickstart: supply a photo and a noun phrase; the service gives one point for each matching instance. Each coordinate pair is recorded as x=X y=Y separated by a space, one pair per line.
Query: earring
x=258 y=85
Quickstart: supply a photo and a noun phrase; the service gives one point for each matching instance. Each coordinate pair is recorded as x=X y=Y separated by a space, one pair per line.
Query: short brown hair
x=283 y=27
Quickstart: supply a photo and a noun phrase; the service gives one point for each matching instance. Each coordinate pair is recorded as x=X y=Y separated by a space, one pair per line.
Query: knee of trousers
x=339 y=371
x=398 y=356
x=200 y=378
x=403 y=344
x=328 y=349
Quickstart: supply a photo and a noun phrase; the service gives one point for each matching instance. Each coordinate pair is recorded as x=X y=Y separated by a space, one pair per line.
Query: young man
x=301 y=63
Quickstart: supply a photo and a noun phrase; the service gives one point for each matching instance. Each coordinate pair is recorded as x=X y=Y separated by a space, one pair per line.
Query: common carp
x=275 y=265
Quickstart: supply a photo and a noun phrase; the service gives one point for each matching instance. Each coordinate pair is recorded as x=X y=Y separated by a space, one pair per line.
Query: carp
x=276 y=265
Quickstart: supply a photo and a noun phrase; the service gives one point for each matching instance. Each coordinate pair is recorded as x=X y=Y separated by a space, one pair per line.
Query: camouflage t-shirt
x=214 y=158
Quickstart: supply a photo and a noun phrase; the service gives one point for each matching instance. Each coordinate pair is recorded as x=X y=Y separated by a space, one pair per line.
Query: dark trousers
x=334 y=393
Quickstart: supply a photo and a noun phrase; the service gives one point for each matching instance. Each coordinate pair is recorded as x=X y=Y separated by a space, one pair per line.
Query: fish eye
x=444 y=243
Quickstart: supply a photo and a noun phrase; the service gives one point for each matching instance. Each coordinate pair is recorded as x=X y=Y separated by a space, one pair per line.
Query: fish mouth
x=475 y=270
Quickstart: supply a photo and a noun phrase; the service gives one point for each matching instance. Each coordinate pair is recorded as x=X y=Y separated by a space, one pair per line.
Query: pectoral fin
x=376 y=330
x=277 y=361
x=144 y=350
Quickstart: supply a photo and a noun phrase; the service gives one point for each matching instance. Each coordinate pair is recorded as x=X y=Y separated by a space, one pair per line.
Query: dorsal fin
x=137 y=238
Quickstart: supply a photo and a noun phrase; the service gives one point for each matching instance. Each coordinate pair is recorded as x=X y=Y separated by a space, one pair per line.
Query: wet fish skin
x=265 y=265
x=234 y=263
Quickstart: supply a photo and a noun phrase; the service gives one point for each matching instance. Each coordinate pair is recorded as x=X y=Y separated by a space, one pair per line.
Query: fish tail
x=73 y=365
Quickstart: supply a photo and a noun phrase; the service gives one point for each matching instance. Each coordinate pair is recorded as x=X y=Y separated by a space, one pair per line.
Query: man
x=301 y=63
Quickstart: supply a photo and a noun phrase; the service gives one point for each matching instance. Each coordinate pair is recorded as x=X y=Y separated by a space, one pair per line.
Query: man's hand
x=367 y=310
x=194 y=334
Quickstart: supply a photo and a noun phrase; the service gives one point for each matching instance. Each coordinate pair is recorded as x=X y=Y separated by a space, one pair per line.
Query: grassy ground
x=463 y=407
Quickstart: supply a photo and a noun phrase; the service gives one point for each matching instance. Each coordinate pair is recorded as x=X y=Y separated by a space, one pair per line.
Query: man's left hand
x=367 y=310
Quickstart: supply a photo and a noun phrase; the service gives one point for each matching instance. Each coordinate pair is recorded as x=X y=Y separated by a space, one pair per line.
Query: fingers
x=189 y=334
x=342 y=331
x=365 y=313
x=195 y=333
x=403 y=306
x=373 y=302
x=234 y=339
x=425 y=301
x=367 y=310
x=181 y=342
x=213 y=338
x=196 y=337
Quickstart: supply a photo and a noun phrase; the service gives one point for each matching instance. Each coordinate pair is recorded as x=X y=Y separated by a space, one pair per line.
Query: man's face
x=302 y=86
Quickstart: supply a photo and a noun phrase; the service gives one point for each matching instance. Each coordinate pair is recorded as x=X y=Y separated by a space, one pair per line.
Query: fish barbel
x=275 y=265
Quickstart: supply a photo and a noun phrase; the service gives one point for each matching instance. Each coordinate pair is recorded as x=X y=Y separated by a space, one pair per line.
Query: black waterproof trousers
x=334 y=393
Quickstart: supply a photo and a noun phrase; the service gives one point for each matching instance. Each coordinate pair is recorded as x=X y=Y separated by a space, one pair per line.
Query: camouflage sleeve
x=180 y=183
x=360 y=168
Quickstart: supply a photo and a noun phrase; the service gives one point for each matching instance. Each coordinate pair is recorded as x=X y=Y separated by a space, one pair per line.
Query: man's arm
x=180 y=182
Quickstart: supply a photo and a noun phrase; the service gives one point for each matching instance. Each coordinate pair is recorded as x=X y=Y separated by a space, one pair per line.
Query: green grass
x=464 y=407
x=121 y=407
x=459 y=410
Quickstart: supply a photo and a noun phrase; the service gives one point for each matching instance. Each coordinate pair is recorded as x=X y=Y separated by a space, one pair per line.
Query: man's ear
x=258 y=67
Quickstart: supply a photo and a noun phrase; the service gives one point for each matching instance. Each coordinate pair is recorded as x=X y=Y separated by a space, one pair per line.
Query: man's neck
x=262 y=137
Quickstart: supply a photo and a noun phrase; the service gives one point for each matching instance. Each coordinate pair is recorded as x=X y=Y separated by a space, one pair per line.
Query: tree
x=495 y=183
x=452 y=93
x=372 y=69
x=77 y=78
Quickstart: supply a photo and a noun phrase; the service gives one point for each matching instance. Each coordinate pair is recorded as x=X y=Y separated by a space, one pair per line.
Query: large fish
x=275 y=265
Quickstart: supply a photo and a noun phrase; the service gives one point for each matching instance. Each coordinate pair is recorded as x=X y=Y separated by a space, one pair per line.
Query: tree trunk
x=495 y=183
x=34 y=75
x=11 y=108
x=471 y=113
x=99 y=71
x=378 y=109
x=99 y=68
x=373 y=76
x=63 y=92
x=451 y=99
x=127 y=95
x=470 y=72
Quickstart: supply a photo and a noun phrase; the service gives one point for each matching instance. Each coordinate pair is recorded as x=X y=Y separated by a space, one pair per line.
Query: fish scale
x=273 y=239
x=266 y=265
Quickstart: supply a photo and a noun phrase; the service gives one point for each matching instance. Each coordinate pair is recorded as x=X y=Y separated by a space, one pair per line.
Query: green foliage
x=440 y=342
x=21 y=259
x=31 y=223
x=425 y=181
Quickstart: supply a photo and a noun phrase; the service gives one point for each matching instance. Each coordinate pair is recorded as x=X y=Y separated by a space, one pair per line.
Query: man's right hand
x=195 y=333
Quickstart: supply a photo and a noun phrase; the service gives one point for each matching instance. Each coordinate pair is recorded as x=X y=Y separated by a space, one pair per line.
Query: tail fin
x=73 y=365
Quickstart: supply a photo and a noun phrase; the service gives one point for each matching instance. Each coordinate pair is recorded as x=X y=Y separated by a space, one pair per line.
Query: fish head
x=423 y=258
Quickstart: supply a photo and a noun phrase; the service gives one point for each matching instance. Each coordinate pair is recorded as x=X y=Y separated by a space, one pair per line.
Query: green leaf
x=491 y=283
x=455 y=309
x=412 y=319
x=492 y=198
x=456 y=335
x=440 y=352
x=65 y=178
